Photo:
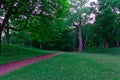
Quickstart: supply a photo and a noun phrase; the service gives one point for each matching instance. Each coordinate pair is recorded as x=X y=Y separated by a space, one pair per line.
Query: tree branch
x=14 y=28
x=7 y=16
x=18 y=29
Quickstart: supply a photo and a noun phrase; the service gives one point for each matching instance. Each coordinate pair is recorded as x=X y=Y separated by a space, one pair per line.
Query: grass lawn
x=112 y=50
x=71 y=66
x=13 y=53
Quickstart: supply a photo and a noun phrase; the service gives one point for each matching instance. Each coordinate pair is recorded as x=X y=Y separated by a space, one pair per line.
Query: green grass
x=68 y=66
x=113 y=51
x=71 y=66
x=14 y=53
x=94 y=50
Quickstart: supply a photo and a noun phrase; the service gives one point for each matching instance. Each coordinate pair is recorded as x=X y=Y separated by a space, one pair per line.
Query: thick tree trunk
x=7 y=35
x=41 y=45
x=106 y=45
x=80 y=38
x=86 y=38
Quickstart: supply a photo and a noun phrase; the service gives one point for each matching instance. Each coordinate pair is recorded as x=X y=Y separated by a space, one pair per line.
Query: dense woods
x=67 y=25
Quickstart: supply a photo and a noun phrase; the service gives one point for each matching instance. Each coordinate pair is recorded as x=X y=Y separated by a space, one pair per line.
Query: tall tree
x=18 y=10
x=46 y=26
x=107 y=21
x=79 y=17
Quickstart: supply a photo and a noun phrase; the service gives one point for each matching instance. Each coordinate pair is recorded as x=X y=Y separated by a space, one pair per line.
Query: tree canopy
x=60 y=24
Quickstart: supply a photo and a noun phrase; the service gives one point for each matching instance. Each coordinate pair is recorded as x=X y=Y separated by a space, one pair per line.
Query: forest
x=60 y=25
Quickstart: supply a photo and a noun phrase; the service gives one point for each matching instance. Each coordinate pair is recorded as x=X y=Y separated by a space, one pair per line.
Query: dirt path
x=6 y=68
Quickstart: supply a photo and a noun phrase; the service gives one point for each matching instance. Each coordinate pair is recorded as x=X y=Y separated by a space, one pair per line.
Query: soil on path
x=6 y=68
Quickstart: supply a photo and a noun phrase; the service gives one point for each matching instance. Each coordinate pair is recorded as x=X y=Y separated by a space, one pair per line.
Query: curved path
x=6 y=68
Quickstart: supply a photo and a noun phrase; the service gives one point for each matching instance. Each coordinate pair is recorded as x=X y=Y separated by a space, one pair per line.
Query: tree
x=46 y=26
x=16 y=8
x=107 y=25
x=20 y=10
x=79 y=17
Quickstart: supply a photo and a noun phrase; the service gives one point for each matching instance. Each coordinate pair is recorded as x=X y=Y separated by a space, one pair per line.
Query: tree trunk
x=117 y=44
x=41 y=45
x=80 y=38
x=86 y=38
x=7 y=35
x=0 y=39
x=22 y=42
x=106 y=45
x=31 y=43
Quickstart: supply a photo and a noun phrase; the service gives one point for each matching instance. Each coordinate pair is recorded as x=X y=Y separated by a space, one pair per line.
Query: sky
x=91 y=1
x=92 y=15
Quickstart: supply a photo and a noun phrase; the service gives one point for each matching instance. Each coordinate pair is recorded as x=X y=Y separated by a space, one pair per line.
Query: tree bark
x=31 y=43
x=41 y=45
x=106 y=45
x=86 y=38
x=80 y=38
x=7 y=35
x=0 y=39
x=117 y=44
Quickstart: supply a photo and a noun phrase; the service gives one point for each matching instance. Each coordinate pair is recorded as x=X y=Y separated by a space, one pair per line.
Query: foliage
x=66 y=42
x=107 y=23
x=52 y=24
x=20 y=14
x=106 y=27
